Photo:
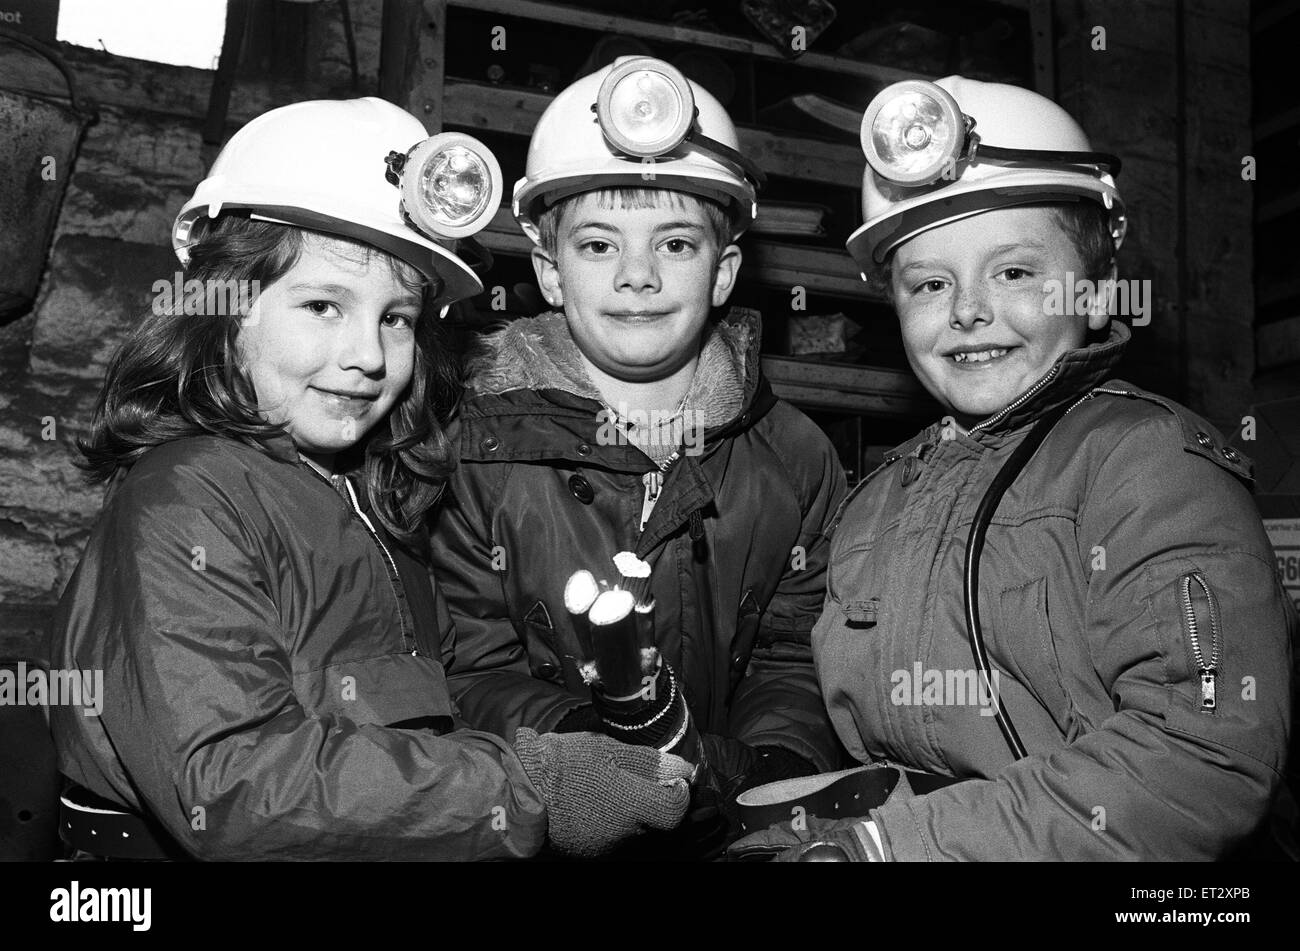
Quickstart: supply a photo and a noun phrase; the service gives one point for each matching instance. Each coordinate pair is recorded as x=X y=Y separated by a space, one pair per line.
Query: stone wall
x=135 y=168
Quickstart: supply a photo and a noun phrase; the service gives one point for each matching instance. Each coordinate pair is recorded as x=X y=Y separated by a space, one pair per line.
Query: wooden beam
x=223 y=80
x=560 y=15
x=1271 y=16
x=1278 y=344
x=399 y=49
x=1278 y=207
x=1044 y=46
x=873 y=391
x=1277 y=123
x=1272 y=292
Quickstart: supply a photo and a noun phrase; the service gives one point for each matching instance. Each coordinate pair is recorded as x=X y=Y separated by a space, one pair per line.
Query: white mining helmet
x=945 y=150
x=637 y=123
x=363 y=169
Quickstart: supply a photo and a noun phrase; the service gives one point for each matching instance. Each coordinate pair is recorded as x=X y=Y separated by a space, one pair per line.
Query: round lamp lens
x=911 y=131
x=451 y=185
x=455 y=186
x=645 y=107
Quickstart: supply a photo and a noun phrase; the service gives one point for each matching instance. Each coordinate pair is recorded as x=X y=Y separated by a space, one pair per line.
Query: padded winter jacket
x=272 y=677
x=1135 y=623
x=735 y=539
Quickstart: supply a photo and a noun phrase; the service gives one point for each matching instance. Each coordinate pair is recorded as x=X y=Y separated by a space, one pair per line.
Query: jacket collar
x=533 y=368
x=1074 y=373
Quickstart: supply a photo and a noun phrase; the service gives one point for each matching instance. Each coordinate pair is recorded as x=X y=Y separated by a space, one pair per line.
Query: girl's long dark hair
x=178 y=375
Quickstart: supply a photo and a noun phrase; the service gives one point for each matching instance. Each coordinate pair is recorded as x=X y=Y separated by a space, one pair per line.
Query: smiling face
x=636 y=283
x=330 y=346
x=970 y=297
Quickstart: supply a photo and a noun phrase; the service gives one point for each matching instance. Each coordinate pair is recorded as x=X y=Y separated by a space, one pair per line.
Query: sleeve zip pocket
x=1201 y=619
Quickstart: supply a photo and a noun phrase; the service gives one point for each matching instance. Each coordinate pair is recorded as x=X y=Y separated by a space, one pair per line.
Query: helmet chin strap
x=976 y=146
x=1104 y=160
x=725 y=154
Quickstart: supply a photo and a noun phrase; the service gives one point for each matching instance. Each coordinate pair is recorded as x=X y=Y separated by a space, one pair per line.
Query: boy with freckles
x=630 y=419
x=1128 y=605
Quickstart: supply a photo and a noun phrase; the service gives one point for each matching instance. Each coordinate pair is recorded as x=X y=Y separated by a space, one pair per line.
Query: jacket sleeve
x=1161 y=778
x=487 y=662
x=779 y=703
x=201 y=710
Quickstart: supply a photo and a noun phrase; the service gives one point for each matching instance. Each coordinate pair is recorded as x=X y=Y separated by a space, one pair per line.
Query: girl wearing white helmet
x=1059 y=598
x=256 y=590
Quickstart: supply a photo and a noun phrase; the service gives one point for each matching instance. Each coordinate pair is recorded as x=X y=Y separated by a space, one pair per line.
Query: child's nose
x=362 y=347
x=970 y=305
x=638 y=270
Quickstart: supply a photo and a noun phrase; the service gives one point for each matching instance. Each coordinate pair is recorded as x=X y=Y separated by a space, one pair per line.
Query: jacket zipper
x=1019 y=402
x=1208 y=671
x=654 y=484
x=392 y=565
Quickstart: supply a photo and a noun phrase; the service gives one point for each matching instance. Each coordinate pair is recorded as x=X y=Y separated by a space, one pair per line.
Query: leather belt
x=840 y=795
x=101 y=828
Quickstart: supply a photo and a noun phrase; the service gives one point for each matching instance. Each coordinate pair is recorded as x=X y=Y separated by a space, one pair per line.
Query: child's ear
x=548 y=277
x=1103 y=301
x=724 y=276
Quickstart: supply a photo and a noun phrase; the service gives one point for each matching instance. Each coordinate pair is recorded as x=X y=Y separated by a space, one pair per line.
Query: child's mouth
x=637 y=316
x=979 y=358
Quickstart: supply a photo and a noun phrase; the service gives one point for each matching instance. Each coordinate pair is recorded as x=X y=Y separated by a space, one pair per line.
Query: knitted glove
x=599 y=791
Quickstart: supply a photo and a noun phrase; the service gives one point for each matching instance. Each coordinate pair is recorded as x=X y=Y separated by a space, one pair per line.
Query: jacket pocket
x=1027 y=649
x=742 y=645
x=545 y=659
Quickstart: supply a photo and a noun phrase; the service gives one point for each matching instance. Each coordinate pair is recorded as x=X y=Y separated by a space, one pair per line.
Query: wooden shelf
x=475 y=105
x=819 y=270
x=870 y=391
x=561 y=15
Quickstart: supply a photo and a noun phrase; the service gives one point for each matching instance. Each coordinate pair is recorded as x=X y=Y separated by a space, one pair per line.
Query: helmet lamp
x=451 y=185
x=645 y=108
x=912 y=131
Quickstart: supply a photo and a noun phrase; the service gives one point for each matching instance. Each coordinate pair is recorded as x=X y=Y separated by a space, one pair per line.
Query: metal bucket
x=38 y=142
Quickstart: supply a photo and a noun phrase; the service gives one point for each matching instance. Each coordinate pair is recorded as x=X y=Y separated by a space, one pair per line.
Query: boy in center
x=629 y=419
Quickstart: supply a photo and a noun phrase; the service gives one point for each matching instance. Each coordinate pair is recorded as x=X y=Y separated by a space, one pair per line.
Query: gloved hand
x=599 y=791
x=809 y=840
x=731 y=766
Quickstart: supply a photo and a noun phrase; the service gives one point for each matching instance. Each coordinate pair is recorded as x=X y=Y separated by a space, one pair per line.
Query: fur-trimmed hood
x=536 y=354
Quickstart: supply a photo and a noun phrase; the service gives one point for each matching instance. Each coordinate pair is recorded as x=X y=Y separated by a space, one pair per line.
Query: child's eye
x=597 y=246
x=1015 y=273
x=321 y=308
x=399 y=320
x=678 y=246
x=932 y=286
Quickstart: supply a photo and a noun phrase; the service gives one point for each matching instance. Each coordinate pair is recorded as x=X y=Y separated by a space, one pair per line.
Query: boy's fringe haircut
x=721 y=219
x=1085 y=223
x=178 y=375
